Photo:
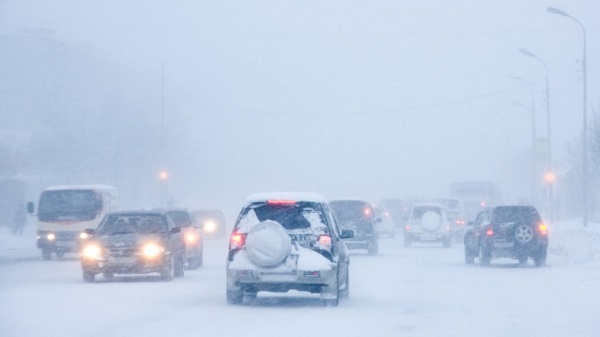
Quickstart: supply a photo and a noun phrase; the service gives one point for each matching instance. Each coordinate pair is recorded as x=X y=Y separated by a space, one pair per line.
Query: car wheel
x=235 y=296
x=108 y=275
x=179 y=268
x=333 y=302
x=522 y=259
x=167 y=273
x=46 y=254
x=485 y=258
x=540 y=258
x=469 y=257
x=88 y=276
x=524 y=234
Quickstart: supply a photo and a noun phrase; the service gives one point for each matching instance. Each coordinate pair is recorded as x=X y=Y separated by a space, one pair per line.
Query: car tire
x=46 y=254
x=235 y=296
x=268 y=244
x=485 y=258
x=334 y=302
x=179 y=268
x=166 y=274
x=346 y=292
x=540 y=258
x=88 y=276
x=522 y=259
x=469 y=257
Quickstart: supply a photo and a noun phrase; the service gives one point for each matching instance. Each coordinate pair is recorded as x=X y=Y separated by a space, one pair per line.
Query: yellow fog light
x=152 y=250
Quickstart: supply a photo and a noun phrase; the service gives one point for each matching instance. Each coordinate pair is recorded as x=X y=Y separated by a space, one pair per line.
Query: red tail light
x=325 y=240
x=367 y=211
x=543 y=229
x=237 y=241
x=489 y=231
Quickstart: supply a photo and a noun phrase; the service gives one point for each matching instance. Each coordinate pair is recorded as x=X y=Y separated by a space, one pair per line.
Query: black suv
x=287 y=241
x=358 y=216
x=134 y=242
x=507 y=231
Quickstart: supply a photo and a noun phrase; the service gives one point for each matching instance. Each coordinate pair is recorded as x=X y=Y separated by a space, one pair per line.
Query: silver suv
x=284 y=242
x=427 y=222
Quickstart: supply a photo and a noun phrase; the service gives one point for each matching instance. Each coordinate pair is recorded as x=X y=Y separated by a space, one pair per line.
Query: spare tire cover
x=431 y=220
x=268 y=244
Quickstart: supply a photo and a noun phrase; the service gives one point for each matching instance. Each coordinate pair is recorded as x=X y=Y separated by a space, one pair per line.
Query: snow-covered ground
x=423 y=290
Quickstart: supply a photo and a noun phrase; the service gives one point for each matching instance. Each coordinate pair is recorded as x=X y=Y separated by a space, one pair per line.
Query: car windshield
x=130 y=224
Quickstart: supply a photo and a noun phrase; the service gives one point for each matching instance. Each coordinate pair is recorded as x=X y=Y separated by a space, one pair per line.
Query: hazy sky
x=354 y=98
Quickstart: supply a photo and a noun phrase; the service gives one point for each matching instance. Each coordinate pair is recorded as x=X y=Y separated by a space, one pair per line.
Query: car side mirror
x=30 y=208
x=90 y=231
x=175 y=230
x=346 y=234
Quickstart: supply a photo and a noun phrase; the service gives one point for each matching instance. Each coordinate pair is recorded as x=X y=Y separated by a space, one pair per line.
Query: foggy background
x=371 y=99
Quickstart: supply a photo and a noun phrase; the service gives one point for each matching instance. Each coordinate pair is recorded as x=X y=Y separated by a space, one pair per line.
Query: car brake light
x=237 y=241
x=281 y=202
x=325 y=241
x=489 y=231
x=543 y=229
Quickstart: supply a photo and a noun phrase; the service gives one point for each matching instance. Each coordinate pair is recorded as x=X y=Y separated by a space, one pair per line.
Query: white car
x=427 y=222
x=287 y=241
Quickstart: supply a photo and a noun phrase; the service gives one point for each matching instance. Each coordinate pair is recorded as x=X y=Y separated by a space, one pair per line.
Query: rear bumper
x=280 y=281
x=497 y=248
x=427 y=236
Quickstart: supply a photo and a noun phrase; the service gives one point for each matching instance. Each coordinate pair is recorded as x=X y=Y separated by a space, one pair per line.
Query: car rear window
x=515 y=214
x=296 y=216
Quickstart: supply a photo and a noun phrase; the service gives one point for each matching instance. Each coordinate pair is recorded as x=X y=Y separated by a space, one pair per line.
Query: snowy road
x=419 y=291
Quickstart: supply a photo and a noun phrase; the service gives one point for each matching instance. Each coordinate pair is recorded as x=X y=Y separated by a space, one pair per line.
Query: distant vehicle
x=476 y=196
x=211 y=221
x=427 y=222
x=134 y=242
x=507 y=232
x=358 y=216
x=287 y=241
x=386 y=226
x=456 y=217
x=194 y=241
x=64 y=212
x=399 y=209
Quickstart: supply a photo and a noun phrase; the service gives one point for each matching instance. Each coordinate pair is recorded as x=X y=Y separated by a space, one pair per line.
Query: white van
x=64 y=212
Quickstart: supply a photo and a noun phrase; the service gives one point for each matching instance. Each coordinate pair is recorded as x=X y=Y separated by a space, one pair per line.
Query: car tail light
x=237 y=241
x=281 y=202
x=407 y=227
x=543 y=229
x=325 y=241
x=489 y=231
x=367 y=211
x=459 y=222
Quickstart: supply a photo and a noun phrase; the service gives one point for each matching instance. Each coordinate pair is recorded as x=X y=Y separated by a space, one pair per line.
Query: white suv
x=427 y=222
x=287 y=241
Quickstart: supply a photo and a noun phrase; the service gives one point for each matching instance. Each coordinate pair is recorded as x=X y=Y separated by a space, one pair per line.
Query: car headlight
x=83 y=235
x=210 y=226
x=92 y=251
x=191 y=237
x=152 y=250
x=50 y=236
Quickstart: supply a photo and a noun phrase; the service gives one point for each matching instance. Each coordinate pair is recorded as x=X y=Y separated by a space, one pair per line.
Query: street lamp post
x=548 y=124
x=533 y=138
x=585 y=135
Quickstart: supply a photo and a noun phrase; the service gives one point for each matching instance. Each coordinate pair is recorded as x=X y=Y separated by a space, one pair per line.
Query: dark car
x=287 y=241
x=194 y=240
x=358 y=216
x=212 y=222
x=134 y=242
x=507 y=232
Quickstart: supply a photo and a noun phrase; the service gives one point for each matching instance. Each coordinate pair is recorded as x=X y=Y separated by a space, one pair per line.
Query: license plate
x=121 y=260
x=503 y=244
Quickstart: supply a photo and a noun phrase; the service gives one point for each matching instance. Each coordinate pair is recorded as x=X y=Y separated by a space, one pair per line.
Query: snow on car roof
x=293 y=196
x=80 y=187
x=428 y=204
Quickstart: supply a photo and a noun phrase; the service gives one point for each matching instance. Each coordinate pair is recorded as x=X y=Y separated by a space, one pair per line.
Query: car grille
x=67 y=236
x=121 y=251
